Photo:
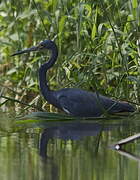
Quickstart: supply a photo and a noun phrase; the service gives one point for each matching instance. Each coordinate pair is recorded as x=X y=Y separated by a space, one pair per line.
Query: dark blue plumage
x=73 y=101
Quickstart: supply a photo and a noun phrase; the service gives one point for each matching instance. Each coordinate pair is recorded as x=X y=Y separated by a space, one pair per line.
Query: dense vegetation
x=99 y=48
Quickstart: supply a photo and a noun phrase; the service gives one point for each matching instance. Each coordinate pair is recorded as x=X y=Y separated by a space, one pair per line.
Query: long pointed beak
x=34 y=48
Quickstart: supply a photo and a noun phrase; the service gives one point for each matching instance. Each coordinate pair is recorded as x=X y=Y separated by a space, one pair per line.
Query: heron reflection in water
x=74 y=101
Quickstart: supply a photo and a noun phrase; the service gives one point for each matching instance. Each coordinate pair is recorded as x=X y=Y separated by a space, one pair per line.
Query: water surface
x=73 y=150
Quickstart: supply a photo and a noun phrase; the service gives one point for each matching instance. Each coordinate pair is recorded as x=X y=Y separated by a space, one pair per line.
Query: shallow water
x=76 y=150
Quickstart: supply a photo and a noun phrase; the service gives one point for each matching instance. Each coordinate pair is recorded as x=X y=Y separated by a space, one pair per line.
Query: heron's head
x=46 y=44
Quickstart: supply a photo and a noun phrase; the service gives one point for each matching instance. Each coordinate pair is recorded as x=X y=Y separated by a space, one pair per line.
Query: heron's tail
x=122 y=107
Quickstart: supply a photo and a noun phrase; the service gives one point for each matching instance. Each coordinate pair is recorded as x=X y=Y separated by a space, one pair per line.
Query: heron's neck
x=43 y=83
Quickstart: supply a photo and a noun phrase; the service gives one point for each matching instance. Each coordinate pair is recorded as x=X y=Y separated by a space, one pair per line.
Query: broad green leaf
x=14 y=37
x=11 y=71
x=26 y=14
x=134 y=3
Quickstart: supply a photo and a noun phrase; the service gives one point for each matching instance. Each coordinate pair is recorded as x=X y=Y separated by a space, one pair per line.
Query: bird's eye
x=41 y=46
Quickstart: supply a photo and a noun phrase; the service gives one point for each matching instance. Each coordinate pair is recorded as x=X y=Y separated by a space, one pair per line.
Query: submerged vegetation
x=99 y=49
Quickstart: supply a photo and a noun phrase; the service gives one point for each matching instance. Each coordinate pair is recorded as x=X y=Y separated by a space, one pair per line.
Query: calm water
x=68 y=150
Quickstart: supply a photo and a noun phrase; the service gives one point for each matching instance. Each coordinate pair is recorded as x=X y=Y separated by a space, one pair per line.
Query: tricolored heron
x=74 y=101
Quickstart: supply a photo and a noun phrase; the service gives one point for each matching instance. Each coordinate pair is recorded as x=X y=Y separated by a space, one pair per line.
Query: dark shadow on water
x=72 y=131
x=49 y=168
x=77 y=130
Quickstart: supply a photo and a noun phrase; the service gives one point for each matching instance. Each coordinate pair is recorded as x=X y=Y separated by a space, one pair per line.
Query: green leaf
x=134 y=3
x=62 y=24
x=134 y=79
x=88 y=7
x=94 y=26
x=67 y=72
x=11 y=71
x=93 y=31
x=46 y=116
x=14 y=37
x=26 y=14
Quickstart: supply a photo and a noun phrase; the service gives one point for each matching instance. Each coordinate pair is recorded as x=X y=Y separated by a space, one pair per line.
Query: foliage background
x=99 y=48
